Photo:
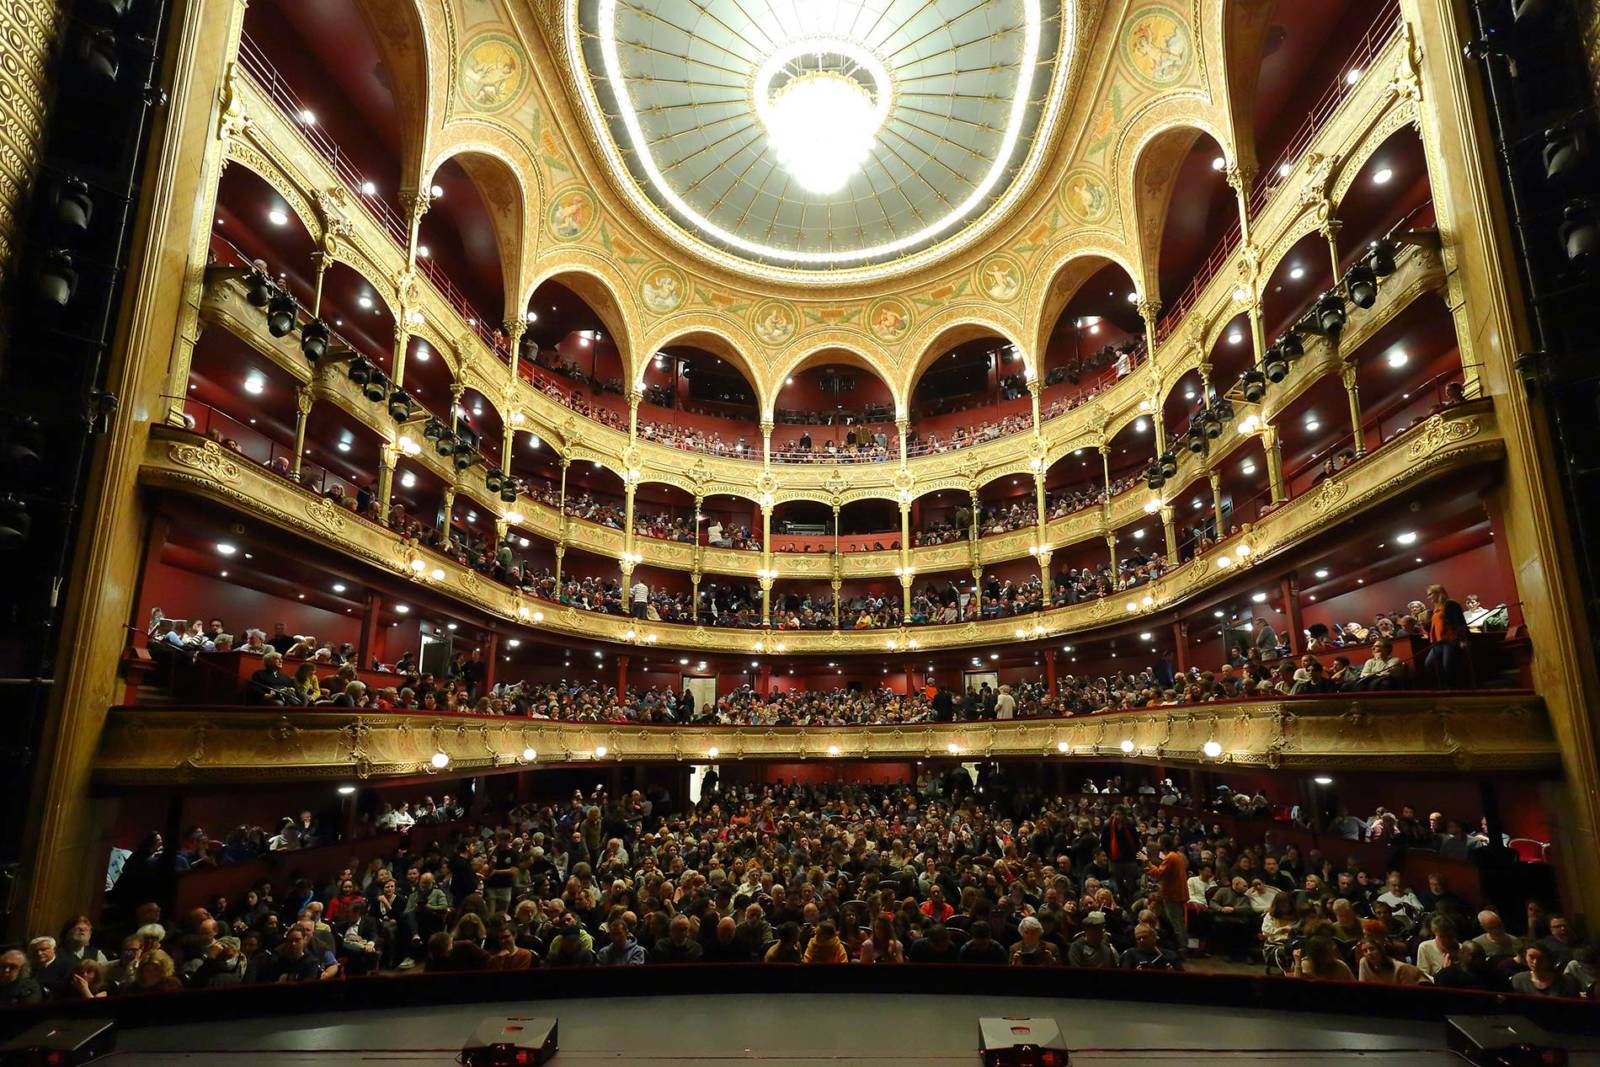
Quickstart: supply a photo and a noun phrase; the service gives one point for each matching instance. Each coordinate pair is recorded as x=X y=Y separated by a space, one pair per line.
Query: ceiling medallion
x=835 y=140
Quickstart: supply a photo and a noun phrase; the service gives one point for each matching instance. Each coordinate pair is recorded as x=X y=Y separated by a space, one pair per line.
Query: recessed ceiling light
x=1406 y=538
x=338 y=587
x=402 y=609
x=225 y=549
x=1284 y=170
x=364 y=300
x=343 y=446
x=1296 y=273
x=1382 y=176
x=436 y=190
x=1258 y=598
x=1313 y=425
x=255 y=384
x=513 y=643
x=408 y=480
x=224 y=574
x=1353 y=76
x=369 y=189
x=1399 y=358
x=1217 y=614
x=423 y=252
x=1322 y=573
x=1234 y=337
x=308 y=117
x=277 y=218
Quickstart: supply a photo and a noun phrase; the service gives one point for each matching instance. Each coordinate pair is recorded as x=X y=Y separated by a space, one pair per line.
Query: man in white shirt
x=1005 y=705
x=714 y=532
x=1401 y=899
x=641 y=600
x=1201 y=884
x=1441 y=950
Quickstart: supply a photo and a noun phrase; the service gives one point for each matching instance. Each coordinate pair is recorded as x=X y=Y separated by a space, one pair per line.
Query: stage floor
x=801 y=1030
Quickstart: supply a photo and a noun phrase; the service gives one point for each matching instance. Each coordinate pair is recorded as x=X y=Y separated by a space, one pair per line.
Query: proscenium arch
x=946 y=331
x=717 y=338
x=499 y=184
x=597 y=283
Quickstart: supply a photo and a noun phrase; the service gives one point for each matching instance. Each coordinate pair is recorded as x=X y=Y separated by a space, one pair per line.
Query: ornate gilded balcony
x=1459 y=438
x=1424 y=733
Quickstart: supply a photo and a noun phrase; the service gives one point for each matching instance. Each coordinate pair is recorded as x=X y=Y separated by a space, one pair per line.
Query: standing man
x=1172 y=877
x=641 y=599
x=1120 y=839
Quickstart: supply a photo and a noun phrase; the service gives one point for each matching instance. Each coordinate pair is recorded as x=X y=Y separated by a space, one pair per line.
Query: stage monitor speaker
x=516 y=1041
x=1503 y=1041
x=1013 y=1041
x=60 y=1043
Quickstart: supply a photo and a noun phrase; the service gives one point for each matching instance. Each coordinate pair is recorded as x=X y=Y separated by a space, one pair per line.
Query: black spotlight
x=1564 y=153
x=445 y=444
x=1254 y=385
x=98 y=60
x=1274 y=365
x=1363 y=286
x=258 y=289
x=74 y=207
x=399 y=405
x=1578 y=232
x=360 y=370
x=15 y=522
x=464 y=458
x=493 y=478
x=1223 y=408
x=1154 y=478
x=508 y=491
x=1210 y=424
x=280 y=314
x=24 y=445
x=433 y=429
x=1195 y=439
x=1169 y=464
x=1380 y=258
x=1330 y=314
x=377 y=389
x=314 y=340
x=58 y=278
x=1292 y=345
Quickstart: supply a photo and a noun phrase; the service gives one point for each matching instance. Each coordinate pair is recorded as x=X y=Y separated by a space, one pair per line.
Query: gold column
x=1169 y=527
x=1035 y=387
x=767 y=571
x=905 y=557
x=449 y=509
x=415 y=204
x=514 y=328
x=387 y=455
x=1272 y=445
x=694 y=596
x=634 y=397
x=1215 y=478
x=977 y=588
x=1111 y=550
x=902 y=428
x=1105 y=469
x=1044 y=574
x=1485 y=300
x=1347 y=374
x=402 y=341
x=766 y=444
x=837 y=585
x=561 y=554
x=304 y=399
x=64 y=850
x=456 y=389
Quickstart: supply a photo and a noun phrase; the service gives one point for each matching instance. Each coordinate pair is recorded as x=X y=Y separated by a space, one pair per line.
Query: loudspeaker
x=516 y=1041
x=1013 y=1041
x=60 y=1043
x=1503 y=1041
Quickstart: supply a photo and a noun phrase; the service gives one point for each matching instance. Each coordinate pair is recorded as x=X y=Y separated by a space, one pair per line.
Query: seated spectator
x=1541 y=979
x=1319 y=957
x=1146 y=954
x=825 y=946
x=17 y=987
x=1033 y=950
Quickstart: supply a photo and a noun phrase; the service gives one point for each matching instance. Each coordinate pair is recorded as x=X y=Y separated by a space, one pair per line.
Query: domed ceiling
x=828 y=140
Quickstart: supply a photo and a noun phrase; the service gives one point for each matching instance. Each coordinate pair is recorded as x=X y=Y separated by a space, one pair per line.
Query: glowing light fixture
x=1212 y=749
x=823 y=100
x=440 y=760
x=1127 y=745
x=277 y=218
x=1383 y=176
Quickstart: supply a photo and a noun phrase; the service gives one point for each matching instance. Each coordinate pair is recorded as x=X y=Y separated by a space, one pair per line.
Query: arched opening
x=664 y=512
x=1097 y=339
x=469 y=241
x=700 y=400
x=357 y=94
x=1391 y=191
x=972 y=387
x=1181 y=182
x=570 y=352
x=1074 y=483
x=833 y=407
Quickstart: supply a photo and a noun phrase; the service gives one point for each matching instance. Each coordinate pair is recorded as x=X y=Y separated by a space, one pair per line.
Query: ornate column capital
x=1348 y=375
x=304 y=398
x=1241 y=177
x=415 y=204
x=1149 y=311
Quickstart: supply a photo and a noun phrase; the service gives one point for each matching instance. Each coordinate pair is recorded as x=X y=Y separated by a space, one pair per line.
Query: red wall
x=182 y=594
x=1476 y=571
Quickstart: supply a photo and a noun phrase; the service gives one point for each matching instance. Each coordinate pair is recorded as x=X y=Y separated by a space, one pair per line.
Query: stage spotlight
x=1169 y=464
x=74 y=207
x=1363 y=286
x=97 y=59
x=377 y=389
x=58 y=278
x=24 y=446
x=433 y=430
x=1380 y=258
x=360 y=371
x=399 y=405
x=1254 y=385
x=258 y=288
x=1330 y=314
x=1153 y=478
x=280 y=314
x=493 y=478
x=464 y=458
x=1210 y=424
x=1292 y=345
x=15 y=522
x=1578 y=232
x=445 y=444
x=1013 y=1041
x=1223 y=407
x=1195 y=439
x=1565 y=151
x=508 y=491
x=314 y=340
x=1274 y=366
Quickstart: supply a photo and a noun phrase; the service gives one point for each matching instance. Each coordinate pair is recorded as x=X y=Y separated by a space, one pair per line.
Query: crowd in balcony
x=983 y=872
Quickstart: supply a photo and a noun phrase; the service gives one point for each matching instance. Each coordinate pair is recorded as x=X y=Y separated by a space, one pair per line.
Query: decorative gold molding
x=148 y=746
x=1462 y=437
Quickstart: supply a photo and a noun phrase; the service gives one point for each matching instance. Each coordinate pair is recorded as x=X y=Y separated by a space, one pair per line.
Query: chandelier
x=822 y=100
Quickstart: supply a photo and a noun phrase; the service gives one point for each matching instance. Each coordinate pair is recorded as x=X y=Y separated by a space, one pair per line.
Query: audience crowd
x=941 y=871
